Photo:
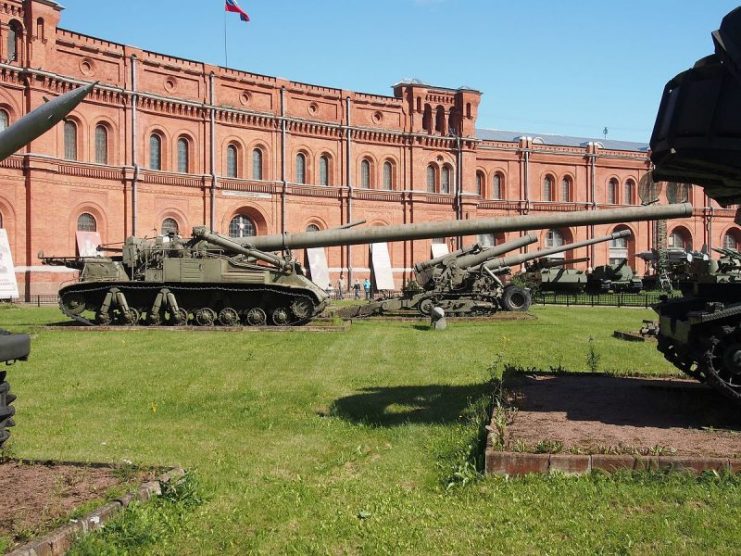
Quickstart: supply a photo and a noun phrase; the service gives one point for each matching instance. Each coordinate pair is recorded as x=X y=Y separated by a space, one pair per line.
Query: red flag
x=232 y=6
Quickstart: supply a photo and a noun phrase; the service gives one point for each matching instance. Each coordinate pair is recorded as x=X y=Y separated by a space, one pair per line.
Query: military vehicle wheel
x=180 y=318
x=205 y=316
x=75 y=304
x=131 y=317
x=302 y=309
x=425 y=307
x=515 y=298
x=256 y=317
x=6 y=410
x=228 y=317
x=280 y=316
x=154 y=319
x=103 y=319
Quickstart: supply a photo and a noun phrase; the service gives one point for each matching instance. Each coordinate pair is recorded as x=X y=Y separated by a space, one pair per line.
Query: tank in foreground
x=210 y=279
x=697 y=139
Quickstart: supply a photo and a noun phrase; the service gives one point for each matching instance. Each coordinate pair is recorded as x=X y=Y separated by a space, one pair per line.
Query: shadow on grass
x=398 y=405
x=637 y=402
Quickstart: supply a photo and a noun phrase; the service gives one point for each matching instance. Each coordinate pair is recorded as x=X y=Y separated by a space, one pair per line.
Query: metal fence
x=643 y=299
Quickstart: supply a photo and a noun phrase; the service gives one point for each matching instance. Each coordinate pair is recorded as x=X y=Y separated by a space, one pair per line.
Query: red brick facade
x=233 y=143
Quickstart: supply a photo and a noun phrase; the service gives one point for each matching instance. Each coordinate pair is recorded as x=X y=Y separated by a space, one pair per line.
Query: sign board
x=439 y=249
x=382 y=266
x=87 y=243
x=318 y=266
x=8 y=283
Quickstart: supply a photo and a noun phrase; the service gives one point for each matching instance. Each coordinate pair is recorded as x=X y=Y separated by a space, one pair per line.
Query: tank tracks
x=6 y=409
x=131 y=303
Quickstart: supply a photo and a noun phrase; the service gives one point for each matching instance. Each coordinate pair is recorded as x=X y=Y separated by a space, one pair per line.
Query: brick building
x=169 y=143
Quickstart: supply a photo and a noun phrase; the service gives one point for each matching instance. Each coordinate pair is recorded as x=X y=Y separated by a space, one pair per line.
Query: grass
x=349 y=442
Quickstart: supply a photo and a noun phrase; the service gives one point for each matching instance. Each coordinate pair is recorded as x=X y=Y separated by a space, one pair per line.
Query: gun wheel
x=256 y=317
x=228 y=317
x=516 y=299
x=425 y=307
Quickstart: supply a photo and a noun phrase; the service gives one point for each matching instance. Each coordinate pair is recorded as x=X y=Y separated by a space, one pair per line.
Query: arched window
x=312 y=228
x=427 y=119
x=257 y=164
x=231 y=161
x=480 y=178
x=554 y=238
x=12 y=44
x=680 y=238
x=431 y=178
x=241 y=226
x=183 y=156
x=388 y=175
x=486 y=240
x=620 y=247
x=731 y=239
x=440 y=120
x=497 y=187
x=155 y=152
x=324 y=170
x=86 y=223
x=4 y=120
x=445 y=179
x=70 y=140
x=169 y=226
x=365 y=174
x=566 y=189
x=300 y=168
x=40 y=32
x=612 y=192
x=101 y=144
x=548 y=188
x=629 y=192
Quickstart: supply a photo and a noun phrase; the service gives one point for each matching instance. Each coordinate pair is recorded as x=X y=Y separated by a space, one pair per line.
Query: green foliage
x=593 y=357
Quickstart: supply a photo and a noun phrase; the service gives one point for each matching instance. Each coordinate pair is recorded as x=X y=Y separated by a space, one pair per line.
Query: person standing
x=356 y=289
x=367 y=288
x=341 y=287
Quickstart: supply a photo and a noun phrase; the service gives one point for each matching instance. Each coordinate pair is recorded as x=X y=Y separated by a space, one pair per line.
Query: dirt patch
x=37 y=497
x=602 y=414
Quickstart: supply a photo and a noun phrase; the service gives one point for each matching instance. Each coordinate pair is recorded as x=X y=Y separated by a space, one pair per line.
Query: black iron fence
x=642 y=299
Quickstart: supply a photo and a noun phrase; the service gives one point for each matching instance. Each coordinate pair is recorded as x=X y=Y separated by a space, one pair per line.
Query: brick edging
x=59 y=541
x=519 y=463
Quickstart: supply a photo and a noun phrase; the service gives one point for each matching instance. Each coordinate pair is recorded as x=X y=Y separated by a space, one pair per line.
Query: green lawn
x=338 y=443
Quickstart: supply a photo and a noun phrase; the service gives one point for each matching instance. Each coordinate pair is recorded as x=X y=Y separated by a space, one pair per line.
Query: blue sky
x=570 y=67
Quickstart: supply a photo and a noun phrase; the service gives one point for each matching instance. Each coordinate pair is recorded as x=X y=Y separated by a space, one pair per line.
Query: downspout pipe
x=284 y=181
x=214 y=179
x=134 y=146
x=593 y=193
x=458 y=186
x=348 y=181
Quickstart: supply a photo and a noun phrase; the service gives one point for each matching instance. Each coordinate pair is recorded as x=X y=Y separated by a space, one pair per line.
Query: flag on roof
x=232 y=6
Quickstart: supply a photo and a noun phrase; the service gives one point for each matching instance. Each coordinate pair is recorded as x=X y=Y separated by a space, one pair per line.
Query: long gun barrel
x=514 y=260
x=40 y=120
x=429 y=230
x=466 y=258
x=560 y=262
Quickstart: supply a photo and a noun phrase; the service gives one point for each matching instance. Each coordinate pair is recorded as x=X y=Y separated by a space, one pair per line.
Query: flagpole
x=226 y=51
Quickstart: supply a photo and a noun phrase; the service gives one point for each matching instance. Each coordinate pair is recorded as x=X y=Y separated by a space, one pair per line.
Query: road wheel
x=256 y=317
x=515 y=298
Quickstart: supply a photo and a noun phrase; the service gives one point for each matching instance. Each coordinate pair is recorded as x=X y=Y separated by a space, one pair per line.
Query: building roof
x=560 y=140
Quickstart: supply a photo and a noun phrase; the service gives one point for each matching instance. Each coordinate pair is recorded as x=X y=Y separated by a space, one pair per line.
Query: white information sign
x=8 y=283
x=439 y=249
x=382 y=267
x=87 y=243
x=318 y=266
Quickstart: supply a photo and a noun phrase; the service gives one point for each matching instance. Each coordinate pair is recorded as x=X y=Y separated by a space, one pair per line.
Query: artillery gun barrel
x=201 y=232
x=561 y=262
x=464 y=258
x=40 y=120
x=514 y=260
x=429 y=230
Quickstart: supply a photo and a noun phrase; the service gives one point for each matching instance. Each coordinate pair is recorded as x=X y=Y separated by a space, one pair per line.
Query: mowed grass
x=314 y=443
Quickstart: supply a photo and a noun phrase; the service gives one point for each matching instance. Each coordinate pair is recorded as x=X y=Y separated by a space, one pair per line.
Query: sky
x=567 y=67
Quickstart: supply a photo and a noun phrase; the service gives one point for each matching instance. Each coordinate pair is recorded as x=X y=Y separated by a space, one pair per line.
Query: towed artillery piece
x=618 y=277
x=210 y=278
x=468 y=283
x=696 y=139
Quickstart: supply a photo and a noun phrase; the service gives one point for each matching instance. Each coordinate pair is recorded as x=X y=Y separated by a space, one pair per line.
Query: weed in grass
x=593 y=358
x=548 y=447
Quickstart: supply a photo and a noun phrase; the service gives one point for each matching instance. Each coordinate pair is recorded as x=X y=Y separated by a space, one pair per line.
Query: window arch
x=4 y=120
x=446 y=178
x=231 y=161
x=566 y=189
x=183 y=155
x=312 y=228
x=732 y=239
x=86 y=223
x=440 y=120
x=621 y=248
x=169 y=225
x=365 y=174
x=497 y=189
x=480 y=180
x=15 y=31
x=548 y=188
x=324 y=170
x=554 y=238
x=101 y=144
x=629 y=192
x=70 y=140
x=257 y=173
x=40 y=32
x=388 y=175
x=612 y=192
x=242 y=226
x=431 y=178
x=155 y=152
x=300 y=168
x=680 y=238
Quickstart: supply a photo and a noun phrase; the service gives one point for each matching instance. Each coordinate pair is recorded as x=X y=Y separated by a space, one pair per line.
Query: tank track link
x=6 y=409
x=297 y=308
